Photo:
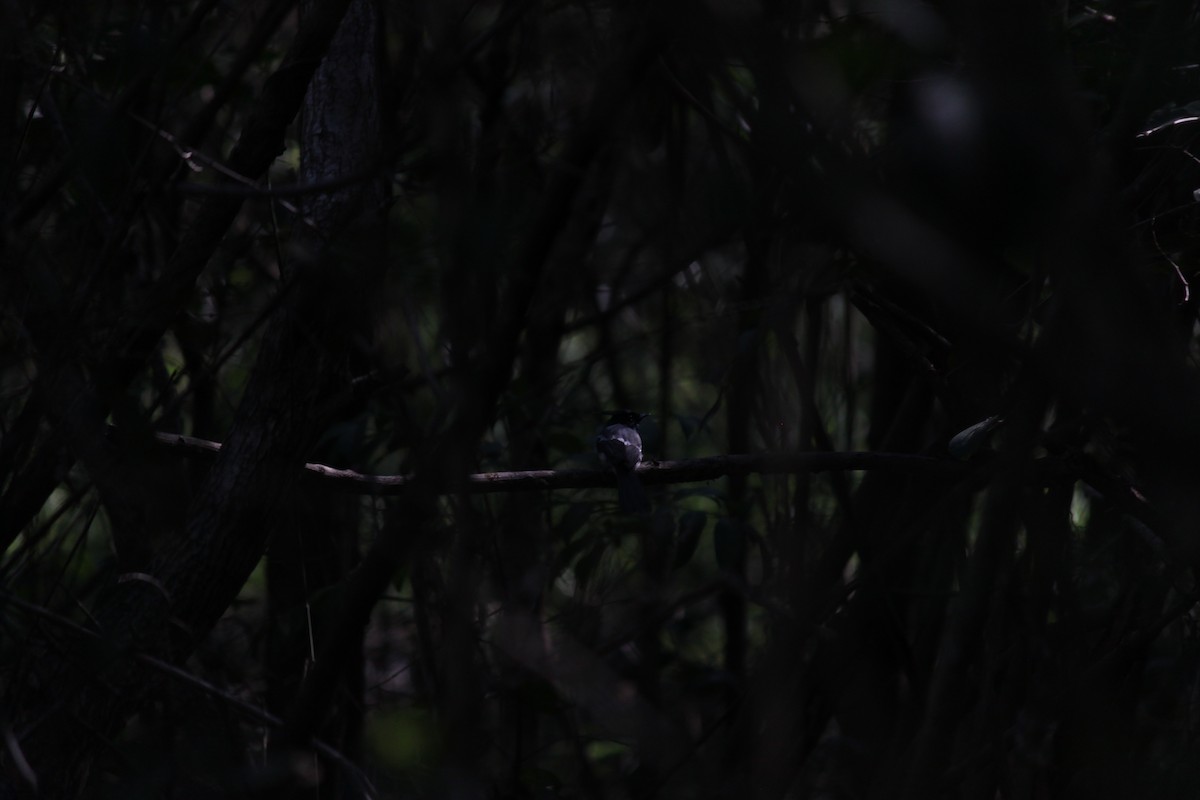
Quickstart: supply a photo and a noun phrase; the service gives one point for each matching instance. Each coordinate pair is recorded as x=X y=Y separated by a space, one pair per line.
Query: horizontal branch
x=651 y=472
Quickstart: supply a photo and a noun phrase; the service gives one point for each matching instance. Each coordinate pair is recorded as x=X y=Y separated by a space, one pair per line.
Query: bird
x=619 y=446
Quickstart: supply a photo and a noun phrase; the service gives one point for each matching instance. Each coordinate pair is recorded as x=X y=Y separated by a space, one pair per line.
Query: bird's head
x=627 y=417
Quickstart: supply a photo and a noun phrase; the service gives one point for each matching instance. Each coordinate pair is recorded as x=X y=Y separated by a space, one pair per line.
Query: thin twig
x=170 y=670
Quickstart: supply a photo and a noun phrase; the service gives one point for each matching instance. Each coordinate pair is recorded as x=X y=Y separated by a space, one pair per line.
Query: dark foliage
x=928 y=266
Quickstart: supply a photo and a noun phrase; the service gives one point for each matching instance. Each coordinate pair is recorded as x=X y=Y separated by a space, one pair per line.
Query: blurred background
x=437 y=238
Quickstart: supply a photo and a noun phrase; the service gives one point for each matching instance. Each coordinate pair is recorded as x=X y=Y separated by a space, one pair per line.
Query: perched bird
x=619 y=446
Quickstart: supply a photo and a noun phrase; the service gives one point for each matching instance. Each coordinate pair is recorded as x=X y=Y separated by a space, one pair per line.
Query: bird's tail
x=631 y=495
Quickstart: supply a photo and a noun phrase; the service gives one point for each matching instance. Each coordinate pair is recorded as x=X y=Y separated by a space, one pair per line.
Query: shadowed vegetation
x=923 y=270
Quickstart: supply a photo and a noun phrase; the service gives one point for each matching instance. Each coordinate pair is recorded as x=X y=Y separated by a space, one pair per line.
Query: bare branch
x=652 y=472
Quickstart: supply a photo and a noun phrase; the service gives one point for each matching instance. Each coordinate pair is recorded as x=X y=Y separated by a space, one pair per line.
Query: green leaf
x=585 y=566
x=968 y=441
x=402 y=740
